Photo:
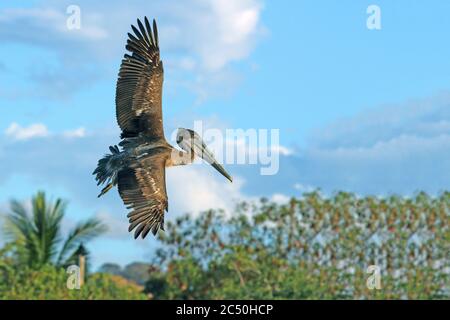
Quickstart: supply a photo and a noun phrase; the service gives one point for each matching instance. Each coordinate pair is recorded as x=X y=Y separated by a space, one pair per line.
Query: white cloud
x=199 y=39
x=303 y=188
x=428 y=117
x=254 y=148
x=54 y=20
x=39 y=130
x=197 y=188
x=18 y=132
x=233 y=25
x=117 y=226
x=280 y=198
x=76 y=133
x=397 y=149
x=285 y=151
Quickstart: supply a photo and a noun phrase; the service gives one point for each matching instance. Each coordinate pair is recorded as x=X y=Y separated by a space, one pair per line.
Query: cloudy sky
x=366 y=111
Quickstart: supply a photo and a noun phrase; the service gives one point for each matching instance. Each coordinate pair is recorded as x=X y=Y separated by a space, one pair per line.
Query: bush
x=49 y=283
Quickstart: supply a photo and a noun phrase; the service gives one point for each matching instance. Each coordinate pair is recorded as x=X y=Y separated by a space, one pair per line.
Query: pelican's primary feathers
x=138 y=168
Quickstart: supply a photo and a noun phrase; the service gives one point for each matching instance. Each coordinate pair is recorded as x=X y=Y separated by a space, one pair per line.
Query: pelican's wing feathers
x=139 y=86
x=142 y=187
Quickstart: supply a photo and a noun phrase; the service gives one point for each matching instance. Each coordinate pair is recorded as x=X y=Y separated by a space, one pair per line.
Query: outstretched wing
x=142 y=187
x=139 y=86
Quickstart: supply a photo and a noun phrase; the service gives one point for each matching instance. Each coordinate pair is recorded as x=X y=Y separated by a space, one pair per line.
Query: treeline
x=309 y=248
x=312 y=247
x=34 y=259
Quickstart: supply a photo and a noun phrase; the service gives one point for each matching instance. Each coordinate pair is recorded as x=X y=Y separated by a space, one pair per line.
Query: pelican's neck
x=180 y=158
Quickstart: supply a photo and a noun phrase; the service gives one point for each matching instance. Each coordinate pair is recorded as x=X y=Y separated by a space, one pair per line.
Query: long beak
x=201 y=150
x=219 y=168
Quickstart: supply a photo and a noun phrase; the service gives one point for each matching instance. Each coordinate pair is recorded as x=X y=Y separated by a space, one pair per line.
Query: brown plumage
x=143 y=190
x=139 y=87
x=139 y=169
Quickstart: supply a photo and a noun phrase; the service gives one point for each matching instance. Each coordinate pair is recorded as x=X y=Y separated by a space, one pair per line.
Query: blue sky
x=366 y=111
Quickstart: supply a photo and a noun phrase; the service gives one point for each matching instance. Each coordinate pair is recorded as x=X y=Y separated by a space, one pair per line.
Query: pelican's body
x=139 y=168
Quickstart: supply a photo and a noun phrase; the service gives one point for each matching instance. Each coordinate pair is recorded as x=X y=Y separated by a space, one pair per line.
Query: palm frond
x=83 y=232
x=36 y=233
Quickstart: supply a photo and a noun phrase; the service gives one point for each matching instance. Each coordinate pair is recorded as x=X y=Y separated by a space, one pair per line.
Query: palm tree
x=37 y=234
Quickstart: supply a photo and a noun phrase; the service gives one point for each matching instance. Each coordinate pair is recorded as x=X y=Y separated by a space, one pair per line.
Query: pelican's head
x=191 y=142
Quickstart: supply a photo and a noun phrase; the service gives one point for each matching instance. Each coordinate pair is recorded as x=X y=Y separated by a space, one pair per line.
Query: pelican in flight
x=138 y=167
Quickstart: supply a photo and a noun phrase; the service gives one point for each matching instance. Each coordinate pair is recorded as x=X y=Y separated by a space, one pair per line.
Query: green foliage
x=50 y=283
x=36 y=235
x=310 y=248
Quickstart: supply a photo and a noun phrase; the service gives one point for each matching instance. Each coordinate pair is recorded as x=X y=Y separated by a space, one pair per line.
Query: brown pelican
x=138 y=169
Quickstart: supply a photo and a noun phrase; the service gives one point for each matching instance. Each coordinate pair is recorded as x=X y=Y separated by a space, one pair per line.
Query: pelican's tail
x=107 y=169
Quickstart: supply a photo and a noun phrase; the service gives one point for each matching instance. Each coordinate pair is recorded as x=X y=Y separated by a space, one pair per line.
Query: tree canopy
x=310 y=248
x=36 y=233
